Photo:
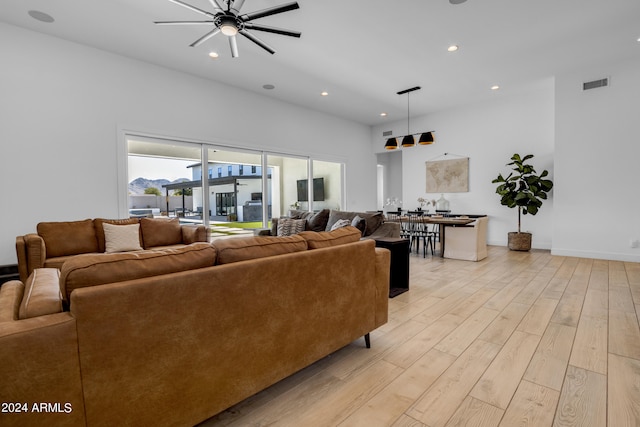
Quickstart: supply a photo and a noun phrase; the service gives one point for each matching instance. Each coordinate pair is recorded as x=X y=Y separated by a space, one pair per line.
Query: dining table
x=444 y=222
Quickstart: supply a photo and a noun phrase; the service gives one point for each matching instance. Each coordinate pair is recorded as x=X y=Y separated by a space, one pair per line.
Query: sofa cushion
x=41 y=294
x=98 y=226
x=97 y=269
x=244 y=248
x=316 y=221
x=325 y=239
x=373 y=220
x=121 y=238
x=58 y=262
x=160 y=232
x=360 y=224
x=290 y=226
x=10 y=297
x=340 y=223
x=68 y=238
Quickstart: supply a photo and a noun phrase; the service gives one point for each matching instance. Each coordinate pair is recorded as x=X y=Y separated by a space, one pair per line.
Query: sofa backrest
x=68 y=238
x=372 y=220
x=97 y=269
x=326 y=239
x=160 y=232
x=245 y=248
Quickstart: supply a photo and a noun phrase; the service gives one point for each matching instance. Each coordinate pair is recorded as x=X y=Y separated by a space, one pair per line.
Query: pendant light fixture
x=426 y=138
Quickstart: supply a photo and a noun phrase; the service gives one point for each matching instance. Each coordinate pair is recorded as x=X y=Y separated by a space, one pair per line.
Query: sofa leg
x=367 y=340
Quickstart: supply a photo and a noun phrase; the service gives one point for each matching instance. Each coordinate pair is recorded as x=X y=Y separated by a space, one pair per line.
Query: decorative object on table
x=426 y=138
x=424 y=202
x=525 y=190
x=295 y=205
x=450 y=175
x=442 y=204
x=393 y=201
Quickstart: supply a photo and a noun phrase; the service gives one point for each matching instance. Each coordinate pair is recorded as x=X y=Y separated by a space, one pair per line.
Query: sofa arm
x=39 y=362
x=41 y=294
x=31 y=252
x=10 y=297
x=383 y=269
x=193 y=234
x=386 y=229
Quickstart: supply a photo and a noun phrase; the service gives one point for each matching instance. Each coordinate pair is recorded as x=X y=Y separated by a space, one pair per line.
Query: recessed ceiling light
x=383 y=114
x=268 y=87
x=495 y=87
x=324 y=93
x=638 y=40
x=214 y=55
x=457 y=1
x=452 y=48
x=41 y=16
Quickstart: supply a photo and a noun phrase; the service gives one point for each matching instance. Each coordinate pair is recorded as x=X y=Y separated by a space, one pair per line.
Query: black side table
x=399 y=274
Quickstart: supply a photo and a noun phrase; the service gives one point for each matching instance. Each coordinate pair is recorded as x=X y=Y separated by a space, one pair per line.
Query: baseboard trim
x=609 y=256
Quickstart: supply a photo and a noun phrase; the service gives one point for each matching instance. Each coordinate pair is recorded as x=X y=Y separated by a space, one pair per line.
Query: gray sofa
x=371 y=224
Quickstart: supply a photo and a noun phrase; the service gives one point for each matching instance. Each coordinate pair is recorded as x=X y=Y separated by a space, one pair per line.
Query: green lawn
x=236 y=224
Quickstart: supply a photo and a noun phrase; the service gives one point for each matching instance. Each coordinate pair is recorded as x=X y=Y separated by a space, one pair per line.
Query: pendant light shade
x=408 y=141
x=391 y=144
x=426 y=138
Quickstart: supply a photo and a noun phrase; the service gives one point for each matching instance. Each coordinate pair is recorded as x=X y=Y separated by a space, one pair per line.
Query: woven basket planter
x=519 y=241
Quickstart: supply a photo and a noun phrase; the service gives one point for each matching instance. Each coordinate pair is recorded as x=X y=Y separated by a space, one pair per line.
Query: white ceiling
x=363 y=51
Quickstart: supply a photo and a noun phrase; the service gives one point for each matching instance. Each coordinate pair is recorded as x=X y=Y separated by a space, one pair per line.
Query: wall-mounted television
x=318 y=190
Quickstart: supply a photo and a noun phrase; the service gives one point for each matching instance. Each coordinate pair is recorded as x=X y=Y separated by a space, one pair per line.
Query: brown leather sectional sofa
x=174 y=336
x=56 y=242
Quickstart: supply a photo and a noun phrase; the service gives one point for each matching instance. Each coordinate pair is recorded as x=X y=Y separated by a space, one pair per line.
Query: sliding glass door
x=234 y=188
x=159 y=173
x=232 y=191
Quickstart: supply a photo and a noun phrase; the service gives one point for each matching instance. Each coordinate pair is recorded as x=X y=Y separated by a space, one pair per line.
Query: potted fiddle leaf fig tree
x=525 y=190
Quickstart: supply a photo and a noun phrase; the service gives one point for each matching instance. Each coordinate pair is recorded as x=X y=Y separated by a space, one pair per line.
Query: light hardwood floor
x=518 y=339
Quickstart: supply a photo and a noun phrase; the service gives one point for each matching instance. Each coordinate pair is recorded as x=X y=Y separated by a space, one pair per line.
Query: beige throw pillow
x=121 y=238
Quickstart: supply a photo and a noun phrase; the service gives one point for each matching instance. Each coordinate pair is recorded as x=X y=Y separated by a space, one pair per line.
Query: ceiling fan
x=226 y=19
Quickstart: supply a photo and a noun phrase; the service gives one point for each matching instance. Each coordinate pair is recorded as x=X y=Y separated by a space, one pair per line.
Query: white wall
x=391 y=162
x=489 y=134
x=63 y=106
x=597 y=163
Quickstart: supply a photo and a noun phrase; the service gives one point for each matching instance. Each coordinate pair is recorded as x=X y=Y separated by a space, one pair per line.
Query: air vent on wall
x=595 y=84
x=387 y=133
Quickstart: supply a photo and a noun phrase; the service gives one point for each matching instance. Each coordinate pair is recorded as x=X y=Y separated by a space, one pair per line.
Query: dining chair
x=419 y=232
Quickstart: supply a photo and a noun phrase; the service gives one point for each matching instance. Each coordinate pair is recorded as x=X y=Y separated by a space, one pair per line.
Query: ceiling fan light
x=391 y=144
x=408 y=141
x=229 y=30
x=426 y=138
x=228 y=27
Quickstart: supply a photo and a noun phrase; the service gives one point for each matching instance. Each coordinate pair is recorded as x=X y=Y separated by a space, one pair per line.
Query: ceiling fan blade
x=205 y=37
x=193 y=8
x=183 y=22
x=274 y=30
x=257 y=41
x=236 y=6
x=216 y=5
x=270 y=11
x=233 y=43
